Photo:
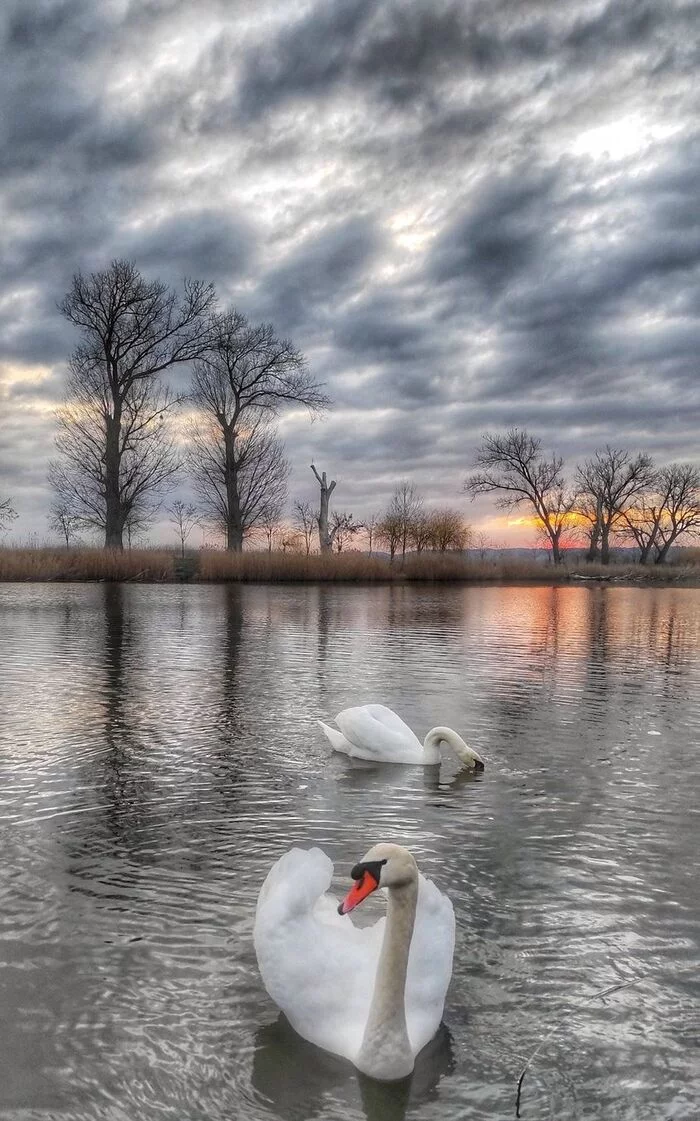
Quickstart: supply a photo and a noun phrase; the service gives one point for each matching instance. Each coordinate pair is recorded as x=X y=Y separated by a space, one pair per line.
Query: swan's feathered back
x=320 y=968
x=375 y=732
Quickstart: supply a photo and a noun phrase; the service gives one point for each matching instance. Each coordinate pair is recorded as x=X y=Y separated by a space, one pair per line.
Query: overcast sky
x=467 y=215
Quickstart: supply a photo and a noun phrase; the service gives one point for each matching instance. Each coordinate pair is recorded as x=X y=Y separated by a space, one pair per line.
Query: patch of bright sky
x=621 y=138
x=11 y=375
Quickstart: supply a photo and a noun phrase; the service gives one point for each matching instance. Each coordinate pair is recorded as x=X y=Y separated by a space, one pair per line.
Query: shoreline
x=154 y=566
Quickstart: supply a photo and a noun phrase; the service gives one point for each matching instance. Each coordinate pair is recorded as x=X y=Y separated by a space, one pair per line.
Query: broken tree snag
x=325 y=540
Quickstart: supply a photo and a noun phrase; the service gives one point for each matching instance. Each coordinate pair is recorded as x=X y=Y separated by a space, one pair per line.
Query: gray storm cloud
x=467 y=216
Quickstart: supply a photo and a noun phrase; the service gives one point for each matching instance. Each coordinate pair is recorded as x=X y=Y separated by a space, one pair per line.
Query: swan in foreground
x=373 y=995
x=375 y=732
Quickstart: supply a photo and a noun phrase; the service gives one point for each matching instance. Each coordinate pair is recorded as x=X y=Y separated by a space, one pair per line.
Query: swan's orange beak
x=364 y=886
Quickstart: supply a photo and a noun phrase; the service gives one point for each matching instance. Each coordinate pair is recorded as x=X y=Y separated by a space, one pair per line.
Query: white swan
x=375 y=732
x=373 y=995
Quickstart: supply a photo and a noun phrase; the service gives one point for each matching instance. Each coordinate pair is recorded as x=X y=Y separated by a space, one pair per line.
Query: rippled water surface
x=159 y=750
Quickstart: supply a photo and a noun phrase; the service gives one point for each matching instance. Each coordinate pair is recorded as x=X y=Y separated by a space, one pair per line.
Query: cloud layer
x=467 y=216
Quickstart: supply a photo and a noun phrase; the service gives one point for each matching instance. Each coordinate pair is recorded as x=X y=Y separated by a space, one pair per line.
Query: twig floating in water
x=548 y=1036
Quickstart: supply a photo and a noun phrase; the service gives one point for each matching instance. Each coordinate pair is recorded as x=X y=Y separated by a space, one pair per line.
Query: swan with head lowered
x=376 y=733
x=374 y=995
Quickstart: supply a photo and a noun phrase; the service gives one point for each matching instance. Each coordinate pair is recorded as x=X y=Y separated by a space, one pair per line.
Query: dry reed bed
x=85 y=564
x=210 y=566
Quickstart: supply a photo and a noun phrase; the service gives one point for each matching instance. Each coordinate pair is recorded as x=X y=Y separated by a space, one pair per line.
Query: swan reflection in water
x=356 y=773
x=298 y=1079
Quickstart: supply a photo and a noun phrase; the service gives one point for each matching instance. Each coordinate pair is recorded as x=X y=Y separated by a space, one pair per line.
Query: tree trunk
x=605 y=545
x=234 y=528
x=592 y=553
x=662 y=551
x=325 y=539
x=553 y=534
x=114 y=515
x=556 y=553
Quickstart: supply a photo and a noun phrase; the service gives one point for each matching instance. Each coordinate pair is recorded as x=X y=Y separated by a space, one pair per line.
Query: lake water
x=159 y=750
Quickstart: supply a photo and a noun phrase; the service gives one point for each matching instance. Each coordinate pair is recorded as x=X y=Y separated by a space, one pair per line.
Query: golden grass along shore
x=214 y=566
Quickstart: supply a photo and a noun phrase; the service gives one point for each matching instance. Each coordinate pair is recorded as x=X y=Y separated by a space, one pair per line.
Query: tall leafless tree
x=7 y=513
x=304 y=519
x=610 y=484
x=670 y=509
x=244 y=381
x=132 y=330
x=325 y=537
x=145 y=456
x=405 y=509
x=515 y=469
x=241 y=482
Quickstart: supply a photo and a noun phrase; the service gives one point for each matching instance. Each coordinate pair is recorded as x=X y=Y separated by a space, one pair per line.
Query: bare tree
x=390 y=532
x=146 y=459
x=7 y=513
x=291 y=542
x=184 y=516
x=680 y=486
x=482 y=543
x=669 y=510
x=514 y=467
x=447 y=530
x=590 y=512
x=420 y=532
x=64 y=521
x=304 y=519
x=610 y=484
x=244 y=381
x=405 y=509
x=271 y=528
x=325 y=538
x=254 y=460
x=132 y=330
x=371 y=524
x=343 y=529
x=136 y=524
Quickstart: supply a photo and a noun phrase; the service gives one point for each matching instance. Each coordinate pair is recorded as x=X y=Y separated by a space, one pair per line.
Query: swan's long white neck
x=386 y=1051
x=431 y=747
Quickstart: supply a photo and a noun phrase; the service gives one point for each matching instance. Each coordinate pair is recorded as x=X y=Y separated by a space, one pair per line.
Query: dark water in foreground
x=158 y=750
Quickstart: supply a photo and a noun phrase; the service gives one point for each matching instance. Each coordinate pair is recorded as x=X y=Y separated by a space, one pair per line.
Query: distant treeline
x=124 y=440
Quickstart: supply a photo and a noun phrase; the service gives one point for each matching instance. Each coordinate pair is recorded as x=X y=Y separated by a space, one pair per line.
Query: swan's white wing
x=317 y=966
x=377 y=733
x=429 y=964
